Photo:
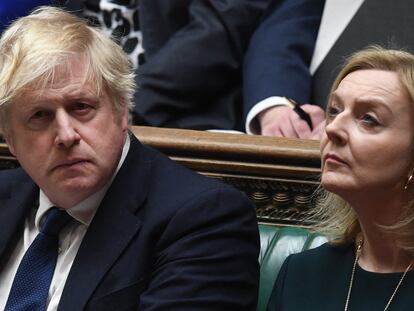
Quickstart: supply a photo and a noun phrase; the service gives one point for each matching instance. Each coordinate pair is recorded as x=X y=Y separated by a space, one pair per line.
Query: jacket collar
x=14 y=209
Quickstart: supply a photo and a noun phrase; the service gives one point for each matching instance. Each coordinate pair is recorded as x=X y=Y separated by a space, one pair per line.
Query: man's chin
x=81 y=185
x=72 y=191
x=78 y=169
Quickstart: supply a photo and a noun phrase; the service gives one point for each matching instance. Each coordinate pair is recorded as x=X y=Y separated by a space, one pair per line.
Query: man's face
x=66 y=137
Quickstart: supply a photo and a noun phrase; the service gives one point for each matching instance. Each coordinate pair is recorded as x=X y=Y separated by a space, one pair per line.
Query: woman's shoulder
x=324 y=256
x=326 y=263
x=310 y=275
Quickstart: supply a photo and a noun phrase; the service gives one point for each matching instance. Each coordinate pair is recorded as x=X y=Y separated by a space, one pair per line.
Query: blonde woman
x=367 y=154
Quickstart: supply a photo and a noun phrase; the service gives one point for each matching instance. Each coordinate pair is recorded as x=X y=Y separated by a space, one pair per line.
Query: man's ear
x=124 y=119
x=10 y=143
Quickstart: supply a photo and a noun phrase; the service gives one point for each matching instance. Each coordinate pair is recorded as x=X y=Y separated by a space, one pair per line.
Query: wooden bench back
x=279 y=175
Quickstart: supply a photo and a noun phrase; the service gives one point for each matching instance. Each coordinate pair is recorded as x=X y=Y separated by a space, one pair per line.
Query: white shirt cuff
x=252 y=122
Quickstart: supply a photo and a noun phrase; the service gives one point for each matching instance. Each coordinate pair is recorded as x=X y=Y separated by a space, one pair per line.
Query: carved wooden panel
x=279 y=175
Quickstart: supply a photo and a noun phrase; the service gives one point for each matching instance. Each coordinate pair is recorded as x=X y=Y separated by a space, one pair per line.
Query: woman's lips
x=333 y=158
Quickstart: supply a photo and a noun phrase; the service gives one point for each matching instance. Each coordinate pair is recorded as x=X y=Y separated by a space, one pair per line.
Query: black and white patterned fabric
x=120 y=19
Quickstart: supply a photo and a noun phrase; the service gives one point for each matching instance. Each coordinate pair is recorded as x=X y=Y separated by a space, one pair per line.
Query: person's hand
x=282 y=121
x=317 y=131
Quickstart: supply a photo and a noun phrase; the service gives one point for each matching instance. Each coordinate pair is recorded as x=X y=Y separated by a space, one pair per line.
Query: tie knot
x=55 y=221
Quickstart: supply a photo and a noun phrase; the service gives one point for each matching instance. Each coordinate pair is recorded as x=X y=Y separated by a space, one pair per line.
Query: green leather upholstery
x=276 y=243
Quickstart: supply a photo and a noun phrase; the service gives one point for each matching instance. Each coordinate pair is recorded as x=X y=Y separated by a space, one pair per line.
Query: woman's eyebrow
x=335 y=96
x=374 y=102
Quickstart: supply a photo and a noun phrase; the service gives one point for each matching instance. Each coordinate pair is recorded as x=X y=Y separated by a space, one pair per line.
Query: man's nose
x=66 y=133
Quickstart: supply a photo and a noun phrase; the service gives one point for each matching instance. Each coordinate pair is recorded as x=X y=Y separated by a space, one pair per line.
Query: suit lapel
x=336 y=16
x=382 y=22
x=111 y=230
x=13 y=211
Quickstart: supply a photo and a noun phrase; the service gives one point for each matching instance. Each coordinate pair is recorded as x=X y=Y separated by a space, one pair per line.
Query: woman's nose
x=336 y=128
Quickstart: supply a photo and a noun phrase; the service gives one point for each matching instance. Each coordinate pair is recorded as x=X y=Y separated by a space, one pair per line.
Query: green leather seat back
x=277 y=243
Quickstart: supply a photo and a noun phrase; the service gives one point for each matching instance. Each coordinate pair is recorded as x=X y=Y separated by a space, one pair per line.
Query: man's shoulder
x=174 y=184
x=171 y=171
x=10 y=178
x=18 y=172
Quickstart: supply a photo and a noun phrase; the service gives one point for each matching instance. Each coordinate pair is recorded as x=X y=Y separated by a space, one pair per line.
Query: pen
x=301 y=113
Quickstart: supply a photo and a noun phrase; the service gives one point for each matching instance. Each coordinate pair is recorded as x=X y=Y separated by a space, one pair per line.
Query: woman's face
x=367 y=146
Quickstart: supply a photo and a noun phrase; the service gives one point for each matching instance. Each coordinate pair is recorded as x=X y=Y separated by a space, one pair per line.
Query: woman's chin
x=335 y=186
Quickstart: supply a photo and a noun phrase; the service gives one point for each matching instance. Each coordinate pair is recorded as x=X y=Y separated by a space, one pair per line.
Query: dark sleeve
x=277 y=61
x=73 y=6
x=276 y=298
x=207 y=257
x=10 y=10
x=200 y=63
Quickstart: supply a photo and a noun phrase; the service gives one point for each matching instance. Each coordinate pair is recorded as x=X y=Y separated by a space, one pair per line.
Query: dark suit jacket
x=382 y=22
x=194 y=49
x=194 y=52
x=163 y=238
x=10 y=10
x=280 y=51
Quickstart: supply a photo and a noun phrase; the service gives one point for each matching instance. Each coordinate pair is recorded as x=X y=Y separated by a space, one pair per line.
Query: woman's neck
x=380 y=251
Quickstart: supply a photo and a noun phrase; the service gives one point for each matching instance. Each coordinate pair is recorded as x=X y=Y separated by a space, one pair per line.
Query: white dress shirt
x=70 y=239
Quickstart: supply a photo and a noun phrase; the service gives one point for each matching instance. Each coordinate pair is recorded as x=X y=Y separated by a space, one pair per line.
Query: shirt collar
x=85 y=210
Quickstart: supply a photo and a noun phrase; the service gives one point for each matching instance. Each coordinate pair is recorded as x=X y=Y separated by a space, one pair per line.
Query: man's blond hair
x=34 y=46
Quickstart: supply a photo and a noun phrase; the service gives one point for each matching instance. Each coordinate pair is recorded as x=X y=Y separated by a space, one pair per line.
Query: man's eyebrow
x=82 y=93
x=71 y=95
x=83 y=96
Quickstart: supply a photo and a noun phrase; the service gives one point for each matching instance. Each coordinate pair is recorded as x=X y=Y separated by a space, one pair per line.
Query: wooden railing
x=278 y=174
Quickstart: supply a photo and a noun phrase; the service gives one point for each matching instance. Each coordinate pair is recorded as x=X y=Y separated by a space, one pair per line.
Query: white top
x=70 y=239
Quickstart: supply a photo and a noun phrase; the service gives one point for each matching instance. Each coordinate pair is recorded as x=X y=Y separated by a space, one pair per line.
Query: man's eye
x=81 y=106
x=41 y=114
x=81 y=109
x=40 y=119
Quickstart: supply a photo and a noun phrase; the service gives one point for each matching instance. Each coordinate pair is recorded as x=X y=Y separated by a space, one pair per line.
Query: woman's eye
x=332 y=112
x=370 y=120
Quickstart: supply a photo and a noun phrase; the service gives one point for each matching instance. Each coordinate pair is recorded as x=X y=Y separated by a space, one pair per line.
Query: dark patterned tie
x=31 y=283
